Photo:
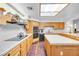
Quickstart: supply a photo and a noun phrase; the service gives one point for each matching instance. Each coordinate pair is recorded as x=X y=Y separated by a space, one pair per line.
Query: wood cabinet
x=62 y=25
x=35 y=23
x=73 y=37
x=30 y=24
x=29 y=42
x=59 y=25
x=71 y=51
x=47 y=47
x=26 y=45
x=14 y=52
x=65 y=50
x=55 y=25
x=5 y=18
x=61 y=50
x=22 y=49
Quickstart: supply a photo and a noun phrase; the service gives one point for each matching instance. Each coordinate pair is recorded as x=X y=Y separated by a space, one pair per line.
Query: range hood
x=19 y=22
x=16 y=20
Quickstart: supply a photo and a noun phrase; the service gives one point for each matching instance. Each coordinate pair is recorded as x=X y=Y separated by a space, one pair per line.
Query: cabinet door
x=14 y=52
x=23 y=48
x=45 y=44
x=70 y=51
x=65 y=51
x=5 y=18
x=30 y=40
x=56 y=51
x=59 y=51
x=61 y=25
x=17 y=54
x=29 y=43
x=47 y=47
x=35 y=23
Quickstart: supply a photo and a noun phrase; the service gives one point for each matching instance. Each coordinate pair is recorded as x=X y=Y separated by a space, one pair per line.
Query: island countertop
x=73 y=34
x=61 y=40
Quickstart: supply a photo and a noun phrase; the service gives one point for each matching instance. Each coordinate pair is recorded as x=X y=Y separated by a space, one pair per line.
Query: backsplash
x=10 y=30
x=52 y=30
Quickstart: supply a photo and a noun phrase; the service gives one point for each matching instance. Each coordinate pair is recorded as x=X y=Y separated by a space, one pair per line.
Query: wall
x=71 y=11
x=34 y=13
x=17 y=6
x=10 y=30
x=52 y=30
x=20 y=8
x=68 y=13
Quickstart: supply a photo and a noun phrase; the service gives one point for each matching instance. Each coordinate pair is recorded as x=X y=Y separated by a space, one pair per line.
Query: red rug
x=37 y=49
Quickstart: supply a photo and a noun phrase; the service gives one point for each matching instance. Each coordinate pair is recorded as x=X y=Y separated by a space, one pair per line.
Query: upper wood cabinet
x=30 y=24
x=5 y=18
x=55 y=25
x=35 y=23
x=59 y=25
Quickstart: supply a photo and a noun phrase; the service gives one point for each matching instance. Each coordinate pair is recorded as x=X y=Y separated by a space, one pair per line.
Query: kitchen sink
x=16 y=38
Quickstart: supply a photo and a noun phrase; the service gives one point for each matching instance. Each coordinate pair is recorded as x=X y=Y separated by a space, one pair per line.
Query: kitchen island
x=57 y=45
x=74 y=36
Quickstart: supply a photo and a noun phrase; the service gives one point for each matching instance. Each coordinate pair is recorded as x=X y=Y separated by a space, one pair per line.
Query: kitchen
x=39 y=29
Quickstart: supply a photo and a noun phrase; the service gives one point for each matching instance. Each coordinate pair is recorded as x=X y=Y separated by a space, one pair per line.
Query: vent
x=29 y=8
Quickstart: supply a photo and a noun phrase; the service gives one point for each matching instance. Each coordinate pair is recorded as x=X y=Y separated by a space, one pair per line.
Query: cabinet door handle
x=9 y=54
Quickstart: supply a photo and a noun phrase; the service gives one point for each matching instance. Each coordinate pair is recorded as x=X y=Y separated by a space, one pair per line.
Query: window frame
x=51 y=3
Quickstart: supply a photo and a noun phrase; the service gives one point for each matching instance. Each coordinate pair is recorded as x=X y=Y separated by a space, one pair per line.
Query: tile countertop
x=6 y=46
x=61 y=40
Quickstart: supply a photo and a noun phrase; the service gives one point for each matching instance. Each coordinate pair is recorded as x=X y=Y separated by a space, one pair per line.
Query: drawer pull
x=8 y=54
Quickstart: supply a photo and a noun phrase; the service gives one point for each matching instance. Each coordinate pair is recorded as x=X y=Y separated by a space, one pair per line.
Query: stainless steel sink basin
x=16 y=38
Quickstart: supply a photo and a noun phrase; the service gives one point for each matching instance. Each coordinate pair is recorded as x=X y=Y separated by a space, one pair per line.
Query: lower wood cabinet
x=64 y=51
x=47 y=47
x=22 y=49
x=14 y=52
x=29 y=42
x=61 y=50
x=70 y=51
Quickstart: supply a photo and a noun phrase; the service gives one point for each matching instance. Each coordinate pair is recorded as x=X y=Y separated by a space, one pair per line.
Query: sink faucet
x=20 y=35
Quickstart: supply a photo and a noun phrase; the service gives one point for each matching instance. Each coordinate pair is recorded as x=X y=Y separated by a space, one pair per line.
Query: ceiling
x=69 y=12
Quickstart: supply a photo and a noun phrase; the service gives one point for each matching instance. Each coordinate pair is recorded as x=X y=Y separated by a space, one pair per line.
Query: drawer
x=65 y=51
x=15 y=50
